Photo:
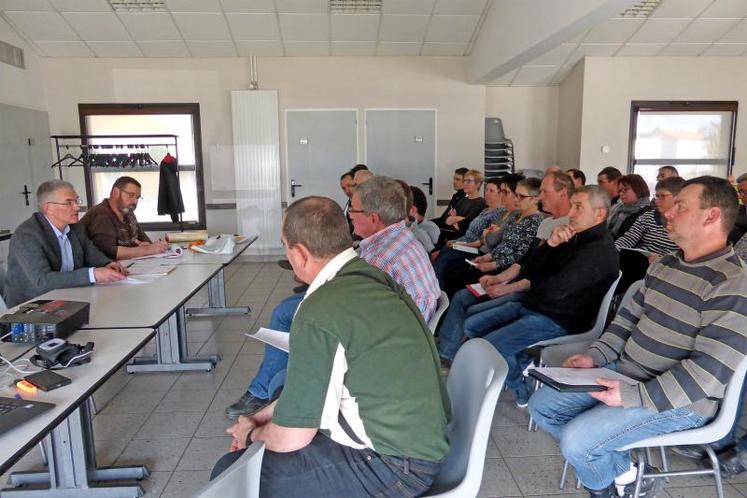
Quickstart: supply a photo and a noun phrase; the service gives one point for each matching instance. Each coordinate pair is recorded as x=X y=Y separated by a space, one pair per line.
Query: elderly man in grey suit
x=49 y=251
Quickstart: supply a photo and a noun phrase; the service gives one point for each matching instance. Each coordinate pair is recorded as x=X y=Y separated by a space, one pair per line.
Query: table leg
x=171 y=350
x=217 y=300
x=72 y=470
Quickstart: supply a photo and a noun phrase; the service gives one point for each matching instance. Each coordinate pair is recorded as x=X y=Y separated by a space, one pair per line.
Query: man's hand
x=497 y=290
x=450 y=243
x=610 y=397
x=578 y=361
x=488 y=280
x=107 y=274
x=240 y=430
x=117 y=266
x=486 y=267
x=485 y=258
x=653 y=258
x=560 y=235
x=158 y=247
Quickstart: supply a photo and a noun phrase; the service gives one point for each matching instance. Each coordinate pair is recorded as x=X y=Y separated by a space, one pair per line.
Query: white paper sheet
x=477 y=289
x=138 y=280
x=276 y=338
x=583 y=376
x=471 y=250
x=149 y=267
x=469 y=262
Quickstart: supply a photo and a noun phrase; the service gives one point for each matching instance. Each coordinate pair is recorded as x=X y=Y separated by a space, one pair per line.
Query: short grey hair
x=598 y=197
x=385 y=197
x=48 y=188
x=742 y=178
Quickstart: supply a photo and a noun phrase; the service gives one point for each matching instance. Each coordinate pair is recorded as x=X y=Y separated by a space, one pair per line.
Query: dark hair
x=419 y=200
x=561 y=181
x=637 y=183
x=511 y=180
x=348 y=173
x=577 y=174
x=318 y=224
x=531 y=184
x=126 y=180
x=673 y=184
x=357 y=168
x=611 y=173
x=461 y=171
x=671 y=169
x=408 y=195
x=718 y=192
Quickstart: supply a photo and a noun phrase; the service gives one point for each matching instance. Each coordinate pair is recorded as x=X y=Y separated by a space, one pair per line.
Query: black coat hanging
x=169 y=192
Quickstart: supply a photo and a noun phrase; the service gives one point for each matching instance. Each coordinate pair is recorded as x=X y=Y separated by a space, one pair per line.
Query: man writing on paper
x=113 y=227
x=51 y=250
x=364 y=409
x=681 y=337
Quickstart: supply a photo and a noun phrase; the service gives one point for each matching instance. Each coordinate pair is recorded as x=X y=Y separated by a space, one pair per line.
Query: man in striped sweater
x=681 y=338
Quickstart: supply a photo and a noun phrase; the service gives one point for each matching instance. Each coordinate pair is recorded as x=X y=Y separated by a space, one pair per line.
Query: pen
x=130 y=264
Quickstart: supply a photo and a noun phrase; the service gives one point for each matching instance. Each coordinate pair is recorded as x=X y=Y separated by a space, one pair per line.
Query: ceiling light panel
x=355 y=6
x=138 y=5
x=641 y=10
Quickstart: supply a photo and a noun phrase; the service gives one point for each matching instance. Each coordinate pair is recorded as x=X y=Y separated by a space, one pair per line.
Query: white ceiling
x=676 y=28
x=231 y=28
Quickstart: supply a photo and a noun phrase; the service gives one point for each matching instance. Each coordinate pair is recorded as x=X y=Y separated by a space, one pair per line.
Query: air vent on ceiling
x=12 y=55
x=641 y=9
x=138 y=5
x=355 y=6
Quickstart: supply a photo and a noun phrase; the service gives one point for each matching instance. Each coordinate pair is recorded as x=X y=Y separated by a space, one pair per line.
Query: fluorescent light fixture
x=138 y=5
x=641 y=10
x=355 y=6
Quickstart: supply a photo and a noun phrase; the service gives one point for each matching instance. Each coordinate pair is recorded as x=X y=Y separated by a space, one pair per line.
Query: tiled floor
x=174 y=423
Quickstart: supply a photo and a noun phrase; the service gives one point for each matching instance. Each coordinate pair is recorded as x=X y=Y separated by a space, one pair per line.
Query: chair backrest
x=443 y=303
x=240 y=480
x=604 y=308
x=474 y=384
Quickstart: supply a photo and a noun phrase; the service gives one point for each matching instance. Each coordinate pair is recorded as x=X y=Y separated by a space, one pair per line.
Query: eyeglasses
x=622 y=190
x=351 y=210
x=132 y=195
x=661 y=197
x=69 y=203
x=522 y=196
x=469 y=180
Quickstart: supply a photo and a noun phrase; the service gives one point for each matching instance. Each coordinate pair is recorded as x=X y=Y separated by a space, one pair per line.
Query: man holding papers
x=364 y=409
x=681 y=338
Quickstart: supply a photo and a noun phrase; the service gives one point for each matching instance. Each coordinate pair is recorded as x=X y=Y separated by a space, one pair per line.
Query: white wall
x=530 y=119
x=20 y=87
x=610 y=84
x=571 y=95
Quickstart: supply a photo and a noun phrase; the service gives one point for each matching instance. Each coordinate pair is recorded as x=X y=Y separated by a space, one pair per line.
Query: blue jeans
x=275 y=360
x=514 y=328
x=590 y=433
x=463 y=305
x=325 y=468
x=445 y=258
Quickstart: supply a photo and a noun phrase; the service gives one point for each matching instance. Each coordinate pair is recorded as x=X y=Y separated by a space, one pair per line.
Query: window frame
x=637 y=106
x=193 y=109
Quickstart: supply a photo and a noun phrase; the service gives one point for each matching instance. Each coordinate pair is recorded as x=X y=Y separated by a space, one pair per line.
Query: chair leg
x=664 y=462
x=639 y=475
x=564 y=474
x=716 y=471
x=43 y=453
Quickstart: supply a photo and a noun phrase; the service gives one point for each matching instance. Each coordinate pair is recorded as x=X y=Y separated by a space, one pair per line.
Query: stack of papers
x=275 y=338
x=476 y=289
x=577 y=379
x=460 y=247
x=149 y=267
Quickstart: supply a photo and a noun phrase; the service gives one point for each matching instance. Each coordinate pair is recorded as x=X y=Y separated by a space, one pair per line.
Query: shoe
x=445 y=367
x=731 y=463
x=690 y=451
x=285 y=264
x=247 y=404
x=522 y=403
x=608 y=492
x=649 y=487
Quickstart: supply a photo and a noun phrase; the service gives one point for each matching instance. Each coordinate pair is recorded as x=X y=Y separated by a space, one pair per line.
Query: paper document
x=469 y=262
x=174 y=251
x=149 y=268
x=276 y=338
x=471 y=250
x=582 y=376
x=138 y=280
x=476 y=289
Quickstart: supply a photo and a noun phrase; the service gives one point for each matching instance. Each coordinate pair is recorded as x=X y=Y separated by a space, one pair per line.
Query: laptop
x=14 y=412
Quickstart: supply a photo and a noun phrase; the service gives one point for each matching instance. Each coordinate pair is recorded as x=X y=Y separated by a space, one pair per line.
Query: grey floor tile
x=157 y=454
x=236 y=379
x=247 y=362
x=252 y=346
x=497 y=480
x=170 y=425
x=702 y=492
x=226 y=350
x=507 y=414
x=539 y=475
x=152 y=381
x=213 y=424
x=202 y=453
x=117 y=425
x=108 y=450
x=180 y=400
x=741 y=487
x=225 y=397
x=516 y=441
x=134 y=402
x=192 y=381
x=239 y=323
x=155 y=484
x=223 y=335
x=185 y=483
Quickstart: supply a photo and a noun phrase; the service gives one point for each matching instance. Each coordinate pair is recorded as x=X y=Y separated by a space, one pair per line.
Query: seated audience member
x=465 y=210
x=51 y=250
x=648 y=233
x=634 y=201
x=424 y=230
x=568 y=277
x=578 y=176
x=361 y=176
x=681 y=338
x=378 y=212
x=607 y=179
x=500 y=199
x=364 y=410
x=113 y=227
x=347 y=185
x=518 y=232
x=555 y=194
x=457 y=182
x=740 y=225
x=667 y=172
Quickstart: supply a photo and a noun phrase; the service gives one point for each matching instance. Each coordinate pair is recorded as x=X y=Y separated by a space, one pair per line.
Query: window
x=182 y=120
x=697 y=138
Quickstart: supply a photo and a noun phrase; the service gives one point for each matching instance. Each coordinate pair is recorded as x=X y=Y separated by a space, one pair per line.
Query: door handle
x=429 y=184
x=26 y=192
x=294 y=186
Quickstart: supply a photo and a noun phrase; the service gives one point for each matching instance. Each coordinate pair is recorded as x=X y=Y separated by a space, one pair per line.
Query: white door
x=321 y=145
x=401 y=143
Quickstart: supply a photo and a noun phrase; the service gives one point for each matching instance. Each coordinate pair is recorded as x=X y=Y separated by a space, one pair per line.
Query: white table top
x=138 y=305
x=112 y=348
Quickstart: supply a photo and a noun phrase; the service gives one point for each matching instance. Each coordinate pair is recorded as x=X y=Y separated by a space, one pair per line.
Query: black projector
x=39 y=321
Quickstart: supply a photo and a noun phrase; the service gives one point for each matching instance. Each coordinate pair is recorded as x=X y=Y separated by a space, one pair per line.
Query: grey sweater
x=683 y=334
x=34 y=260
